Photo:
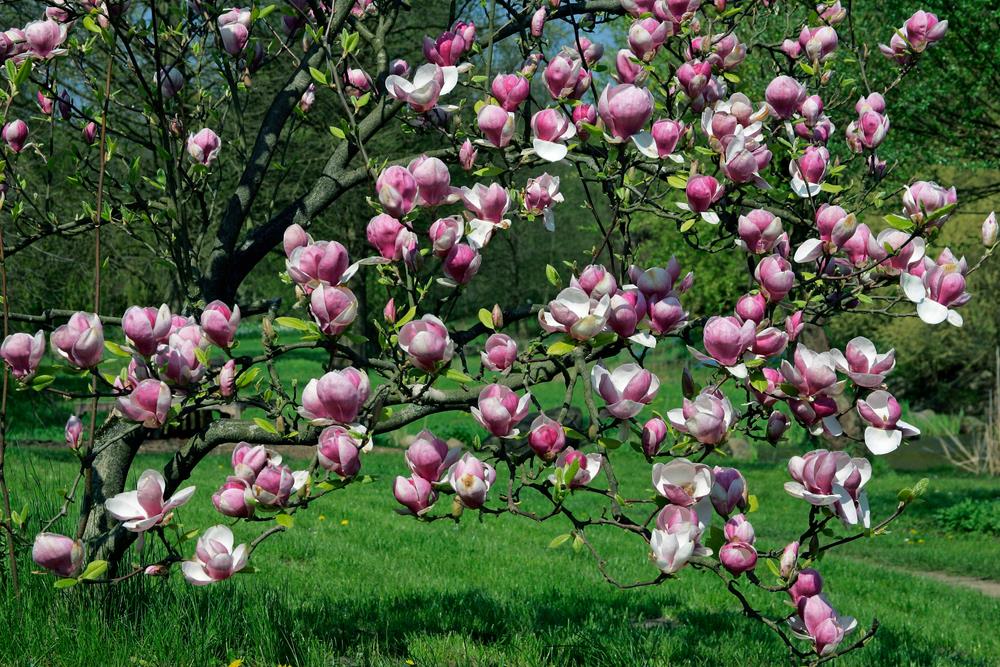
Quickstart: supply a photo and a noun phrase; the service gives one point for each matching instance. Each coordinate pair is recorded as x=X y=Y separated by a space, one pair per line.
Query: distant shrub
x=969 y=516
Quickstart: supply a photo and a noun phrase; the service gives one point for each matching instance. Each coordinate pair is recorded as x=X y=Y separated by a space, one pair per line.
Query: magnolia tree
x=700 y=120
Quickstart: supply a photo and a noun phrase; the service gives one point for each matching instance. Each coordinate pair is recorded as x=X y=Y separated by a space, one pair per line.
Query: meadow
x=354 y=583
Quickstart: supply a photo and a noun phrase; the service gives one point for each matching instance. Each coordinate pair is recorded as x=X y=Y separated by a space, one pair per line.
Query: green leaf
x=337 y=132
x=40 y=382
x=407 y=316
x=317 y=75
x=578 y=543
x=489 y=170
x=65 y=583
x=920 y=487
x=676 y=181
x=95 y=570
x=688 y=224
x=202 y=356
x=752 y=504
x=247 y=378
x=286 y=520
x=265 y=11
x=559 y=540
x=559 y=348
x=116 y=349
x=905 y=495
x=293 y=323
x=265 y=425
x=457 y=376
x=486 y=317
x=609 y=443
x=773 y=567
x=831 y=188
x=552 y=275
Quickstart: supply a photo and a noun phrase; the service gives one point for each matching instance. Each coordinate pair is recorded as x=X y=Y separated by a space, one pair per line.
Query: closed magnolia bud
x=738 y=557
x=497 y=315
x=688 y=387
x=74 y=431
x=777 y=424
x=389 y=312
x=788 y=558
x=653 y=433
x=57 y=553
x=990 y=229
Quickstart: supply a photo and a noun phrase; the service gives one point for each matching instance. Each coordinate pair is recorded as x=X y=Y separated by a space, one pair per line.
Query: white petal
x=913 y=287
x=646 y=145
x=882 y=441
x=710 y=217
x=954 y=318
x=932 y=312
x=548 y=150
x=810 y=250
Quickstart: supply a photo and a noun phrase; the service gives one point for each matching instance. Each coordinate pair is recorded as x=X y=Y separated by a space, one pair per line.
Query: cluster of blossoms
x=765 y=181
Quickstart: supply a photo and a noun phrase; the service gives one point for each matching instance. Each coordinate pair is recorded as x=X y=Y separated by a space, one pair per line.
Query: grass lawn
x=353 y=583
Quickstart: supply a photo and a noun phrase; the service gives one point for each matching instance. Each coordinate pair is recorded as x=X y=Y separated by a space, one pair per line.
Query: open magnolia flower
x=885 y=430
x=429 y=83
x=145 y=507
x=215 y=558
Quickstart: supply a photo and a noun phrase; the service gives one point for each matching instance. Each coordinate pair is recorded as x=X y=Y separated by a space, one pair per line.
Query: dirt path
x=984 y=586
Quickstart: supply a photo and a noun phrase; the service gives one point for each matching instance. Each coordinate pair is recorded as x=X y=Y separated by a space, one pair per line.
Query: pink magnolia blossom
x=587 y=467
x=707 y=418
x=784 y=95
x=937 y=293
x=863 y=364
x=646 y=36
x=666 y=315
x=499 y=409
x=57 y=553
x=337 y=451
x=775 y=276
x=499 y=352
x=471 y=480
x=324 y=262
x=574 y=312
x=170 y=81
x=752 y=307
x=146 y=328
x=415 y=493
x=467 y=155
x=541 y=194
x=462 y=263
x=538 y=22
x=628 y=308
x=429 y=457
x=819 y=623
x=923 y=199
x=227 y=379
x=628 y=68
x=73 y=432
x=626 y=389
x=426 y=342
x=231 y=499
x=625 y=109
x=433 y=181
x=546 y=437
x=759 y=230
x=654 y=432
x=446 y=50
x=738 y=557
x=819 y=42
x=15 y=135
x=397 y=190
x=80 y=341
x=389 y=236
x=702 y=192
x=445 y=233
x=44 y=38
x=550 y=128
x=563 y=73
x=22 y=353
x=729 y=491
x=989 y=229
x=496 y=124
x=334 y=308
x=336 y=397
x=429 y=83
x=727 y=338
x=358 y=82
x=510 y=90
x=146 y=507
x=215 y=557
x=220 y=323
x=488 y=205
x=204 y=146
x=832 y=479
x=789 y=556
x=148 y=404
x=885 y=430
x=675 y=540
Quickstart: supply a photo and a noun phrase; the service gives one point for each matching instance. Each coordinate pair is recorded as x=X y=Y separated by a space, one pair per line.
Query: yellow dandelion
x=344 y=522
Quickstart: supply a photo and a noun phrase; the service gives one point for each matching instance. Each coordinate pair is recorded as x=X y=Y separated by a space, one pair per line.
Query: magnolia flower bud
x=990 y=229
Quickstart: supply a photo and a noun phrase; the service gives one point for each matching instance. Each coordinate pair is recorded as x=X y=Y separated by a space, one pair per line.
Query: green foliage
x=971 y=516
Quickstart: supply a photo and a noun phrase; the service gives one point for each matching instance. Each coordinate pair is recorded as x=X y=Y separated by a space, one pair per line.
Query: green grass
x=353 y=583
